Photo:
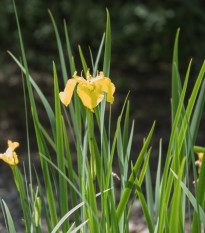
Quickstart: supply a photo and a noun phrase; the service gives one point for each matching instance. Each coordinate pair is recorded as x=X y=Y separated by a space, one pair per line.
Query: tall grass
x=90 y=186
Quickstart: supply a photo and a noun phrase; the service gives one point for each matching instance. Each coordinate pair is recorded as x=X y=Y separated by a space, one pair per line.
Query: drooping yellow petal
x=66 y=95
x=89 y=96
x=10 y=155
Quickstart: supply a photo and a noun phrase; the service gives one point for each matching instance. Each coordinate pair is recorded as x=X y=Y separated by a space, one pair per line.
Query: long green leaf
x=144 y=207
x=130 y=183
x=85 y=67
x=157 y=183
x=198 y=113
x=46 y=105
x=70 y=172
x=169 y=152
x=176 y=83
x=191 y=199
x=107 y=55
x=46 y=175
x=63 y=195
x=149 y=194
x=9 y=218
x=46 y=214
x=60 y=50
x=98 y=56
x=175 y=224
x=69 y=51
x=30 y=92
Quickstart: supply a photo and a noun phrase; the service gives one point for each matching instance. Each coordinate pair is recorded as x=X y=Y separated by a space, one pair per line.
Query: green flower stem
x=91 y=143
x=20 y=186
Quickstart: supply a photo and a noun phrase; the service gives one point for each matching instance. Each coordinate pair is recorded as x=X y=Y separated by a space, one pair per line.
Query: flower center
x=90 y=87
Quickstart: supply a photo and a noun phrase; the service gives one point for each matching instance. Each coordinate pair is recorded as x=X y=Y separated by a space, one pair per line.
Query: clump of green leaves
x=95 y=157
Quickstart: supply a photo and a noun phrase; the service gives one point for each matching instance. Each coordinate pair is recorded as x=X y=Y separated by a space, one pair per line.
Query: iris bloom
x=90 y=90
x=10 y=155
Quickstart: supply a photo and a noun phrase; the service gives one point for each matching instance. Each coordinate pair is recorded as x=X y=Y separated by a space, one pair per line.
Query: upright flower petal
x=89 y=96
x=66 y=95
x=200 y=156
x=13 y=145
x=105 y=85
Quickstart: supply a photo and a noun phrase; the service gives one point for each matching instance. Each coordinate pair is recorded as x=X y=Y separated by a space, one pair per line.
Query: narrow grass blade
x=114 y=144
x=91 y=58
x=176 y=85
x=60 y=50
x=70 y=172
x=46 y=214
x=63 y=195
x=69 y=51
x=20 y=185
x=85 y=67
x=157 y=183
x=47 y=137
x=175 y=217
x=94 y=223
x=141 y=178
x=69 y=182
x=191 y=199
x=128 y=189
x=120 y=156
x=27 y=132
x=30 y=92
x=191 y=102
x=107 y=54
x=126 y=127
x=46 y=175
x=198 y=113
x=169 y=152
x=4 y=215
x=98 y=56
x=144 y=207
x=80 y=226
x=149 y=194
x=46 y=105
x=129 y=144
x=9 y=218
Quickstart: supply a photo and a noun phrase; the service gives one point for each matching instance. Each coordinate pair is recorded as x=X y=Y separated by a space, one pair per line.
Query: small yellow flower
x=199 y=161
x=10 y=155
x=200 y=156
x=90 y=90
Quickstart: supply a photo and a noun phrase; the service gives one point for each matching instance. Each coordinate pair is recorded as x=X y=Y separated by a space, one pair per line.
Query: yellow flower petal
x=105 y=85
x=13 y=145
x=200 y=156
x=66 y=95
x=89 y=96
x=10 y=156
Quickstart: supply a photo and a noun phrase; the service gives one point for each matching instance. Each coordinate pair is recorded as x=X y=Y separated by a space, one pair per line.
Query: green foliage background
x=142 y=31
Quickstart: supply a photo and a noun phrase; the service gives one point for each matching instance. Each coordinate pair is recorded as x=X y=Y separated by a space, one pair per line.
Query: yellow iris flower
x=90 y=90
x=10 y=155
